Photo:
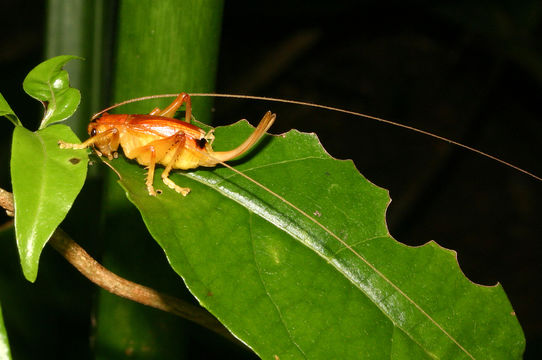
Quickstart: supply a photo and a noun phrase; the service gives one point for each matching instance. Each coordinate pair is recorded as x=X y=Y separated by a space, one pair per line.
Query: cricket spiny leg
x=156 y=151
x=89 y=142
x=155 y=111
x=176 y=104
x=150 y=149
x=210 y=136
x=179 y=147
x=150 y=174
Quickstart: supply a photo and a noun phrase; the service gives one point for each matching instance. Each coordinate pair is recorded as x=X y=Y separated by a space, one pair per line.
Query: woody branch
x=117 y=285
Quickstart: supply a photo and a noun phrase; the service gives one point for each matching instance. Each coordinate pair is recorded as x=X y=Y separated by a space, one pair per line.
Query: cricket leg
x=174 y=106
x=155 y=111
x=156 y=150
x=90 y=141
x=150 y=174
x=210 y=136
x=178 y=149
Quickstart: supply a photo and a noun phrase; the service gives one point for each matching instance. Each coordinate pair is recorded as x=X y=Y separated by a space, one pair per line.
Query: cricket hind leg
x=174 y=106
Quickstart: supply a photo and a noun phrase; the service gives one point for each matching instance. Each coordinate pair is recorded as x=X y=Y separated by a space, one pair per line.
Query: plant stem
x=119 y=286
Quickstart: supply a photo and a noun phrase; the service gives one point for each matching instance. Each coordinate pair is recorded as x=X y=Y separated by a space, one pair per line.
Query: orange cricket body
x=158 y=138
x=137 y=131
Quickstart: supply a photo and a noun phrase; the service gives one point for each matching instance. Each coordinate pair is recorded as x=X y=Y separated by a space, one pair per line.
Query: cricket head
x=104 y=132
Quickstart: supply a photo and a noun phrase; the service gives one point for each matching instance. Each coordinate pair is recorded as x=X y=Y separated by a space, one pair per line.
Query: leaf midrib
x=51 y=105
x=41 y=191
x=330 y=259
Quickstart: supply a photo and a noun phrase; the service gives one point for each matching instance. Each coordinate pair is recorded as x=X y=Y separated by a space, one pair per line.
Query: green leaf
x=49 y=84
x=46 y=181
x=5 y=354
x=5 y=110
x=287 y=288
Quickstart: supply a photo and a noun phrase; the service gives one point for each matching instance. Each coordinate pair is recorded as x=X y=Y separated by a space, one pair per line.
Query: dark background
x=467 y=70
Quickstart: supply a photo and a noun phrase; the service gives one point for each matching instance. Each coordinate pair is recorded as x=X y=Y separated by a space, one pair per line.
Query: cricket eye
x=93 y=132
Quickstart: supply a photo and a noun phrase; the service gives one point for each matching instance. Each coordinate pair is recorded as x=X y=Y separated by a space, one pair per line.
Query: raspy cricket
x=158 y=138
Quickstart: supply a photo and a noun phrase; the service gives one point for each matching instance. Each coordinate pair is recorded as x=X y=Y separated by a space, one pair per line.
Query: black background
x=470 y=71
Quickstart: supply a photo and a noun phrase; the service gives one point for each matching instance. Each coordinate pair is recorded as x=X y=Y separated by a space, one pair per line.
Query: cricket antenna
x=331 y=108
x=143 y=98
x=388 y=122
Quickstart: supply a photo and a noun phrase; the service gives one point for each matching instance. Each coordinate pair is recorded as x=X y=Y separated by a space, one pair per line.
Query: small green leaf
x=5 y=354
x=5 y=110
x=46 y=181
x=287 y=288
x=49 y=84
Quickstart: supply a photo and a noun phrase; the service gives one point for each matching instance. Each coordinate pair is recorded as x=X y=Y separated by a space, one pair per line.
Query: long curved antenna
x=331 y=108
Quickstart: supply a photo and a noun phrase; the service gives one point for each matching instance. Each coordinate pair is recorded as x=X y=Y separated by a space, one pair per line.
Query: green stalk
x=162 y=47
x=76 y=27
x=167 y=47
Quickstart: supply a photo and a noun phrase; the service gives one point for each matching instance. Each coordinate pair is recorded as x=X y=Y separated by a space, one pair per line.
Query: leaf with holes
x=339 y=287
x=49 y=84
x=46 y=181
